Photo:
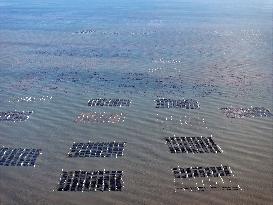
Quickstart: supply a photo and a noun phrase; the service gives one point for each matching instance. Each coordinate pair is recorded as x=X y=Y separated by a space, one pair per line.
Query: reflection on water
x=57 y=56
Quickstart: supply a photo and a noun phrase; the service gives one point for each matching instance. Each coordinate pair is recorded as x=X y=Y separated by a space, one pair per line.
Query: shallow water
x=217 y=52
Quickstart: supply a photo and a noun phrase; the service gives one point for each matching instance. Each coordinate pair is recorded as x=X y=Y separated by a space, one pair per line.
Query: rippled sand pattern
x=55 y=56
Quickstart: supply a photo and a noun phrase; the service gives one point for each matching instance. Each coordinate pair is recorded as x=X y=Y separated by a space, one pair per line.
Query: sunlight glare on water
x=57 y=55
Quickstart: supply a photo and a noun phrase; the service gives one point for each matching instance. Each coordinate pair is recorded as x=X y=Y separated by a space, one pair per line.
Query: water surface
x=217 y=52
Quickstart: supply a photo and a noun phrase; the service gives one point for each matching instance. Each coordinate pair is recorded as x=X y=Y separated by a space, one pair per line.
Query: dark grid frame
x=210 y=188
x=86 y=181
x=100 y=118
x=200 y=179
x=111 y=102
x=172 y=103
x=15 y=116
x=251 y=112
x=18 y=156
x=97 y=149
x=193 y=172
x=192 y=145
x=31 y=99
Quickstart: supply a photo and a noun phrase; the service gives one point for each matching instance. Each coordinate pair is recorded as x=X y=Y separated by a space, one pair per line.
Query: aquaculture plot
x=204 y=89
x=128 y=83
x=116 y=33
x=171 y=103
x=15 y=116
x=49 y=79
x=97 y=149
x=189 y=123
x=90 y=181
x=23 y=85
x=184 y=121
x=192 y=145
x=83 y=52
x=143 y=83
x=31 y=99
x=18 y=156
x=87 y=31
x=109 y=102
x=94 y=117
x=239 y=80
x=156 y=69
x=231 y=112
x=215 y=178
x=194 y=172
